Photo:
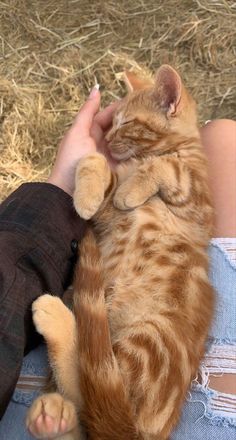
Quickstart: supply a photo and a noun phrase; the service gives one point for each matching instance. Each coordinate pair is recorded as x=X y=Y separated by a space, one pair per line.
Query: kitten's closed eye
x=127 y=122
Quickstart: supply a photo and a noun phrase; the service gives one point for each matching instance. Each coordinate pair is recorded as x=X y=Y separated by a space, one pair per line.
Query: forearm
x=37 y=226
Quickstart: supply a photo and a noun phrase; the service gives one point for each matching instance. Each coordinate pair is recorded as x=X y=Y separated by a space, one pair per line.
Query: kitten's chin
x=120 y=156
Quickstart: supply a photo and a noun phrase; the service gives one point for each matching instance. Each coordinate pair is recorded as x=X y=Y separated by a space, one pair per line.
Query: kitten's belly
x=137 y=259
x=129 y=236
x=135 y=237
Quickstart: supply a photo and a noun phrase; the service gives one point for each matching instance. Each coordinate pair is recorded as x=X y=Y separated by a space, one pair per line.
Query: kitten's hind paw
x=52 y=319
x=51 y=416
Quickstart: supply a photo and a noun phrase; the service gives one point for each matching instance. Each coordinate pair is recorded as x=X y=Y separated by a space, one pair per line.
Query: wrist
x=60 y=183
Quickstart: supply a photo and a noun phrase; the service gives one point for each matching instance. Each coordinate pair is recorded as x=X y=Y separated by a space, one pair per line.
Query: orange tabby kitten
x=143 y=302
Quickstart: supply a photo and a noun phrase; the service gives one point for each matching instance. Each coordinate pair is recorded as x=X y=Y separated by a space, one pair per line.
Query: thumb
x=85 y=117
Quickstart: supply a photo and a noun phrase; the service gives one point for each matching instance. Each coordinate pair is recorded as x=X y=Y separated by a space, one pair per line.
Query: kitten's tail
x=106 y=412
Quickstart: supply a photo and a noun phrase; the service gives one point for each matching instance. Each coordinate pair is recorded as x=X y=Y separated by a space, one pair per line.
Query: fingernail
x=94 y=91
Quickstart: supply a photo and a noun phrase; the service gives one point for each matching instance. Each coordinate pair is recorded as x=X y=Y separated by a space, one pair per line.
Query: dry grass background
x=53 y=51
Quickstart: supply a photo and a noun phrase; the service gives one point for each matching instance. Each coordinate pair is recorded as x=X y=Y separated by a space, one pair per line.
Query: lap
x=203 y=414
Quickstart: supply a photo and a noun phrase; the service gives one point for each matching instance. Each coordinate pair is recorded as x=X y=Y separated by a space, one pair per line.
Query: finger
x=102 y=122
x=104 y=117
x=97 y=133
x=89 y=109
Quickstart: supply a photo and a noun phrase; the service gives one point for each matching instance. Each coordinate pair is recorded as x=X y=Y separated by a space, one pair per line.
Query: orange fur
x=143 y=316
x=143 y=302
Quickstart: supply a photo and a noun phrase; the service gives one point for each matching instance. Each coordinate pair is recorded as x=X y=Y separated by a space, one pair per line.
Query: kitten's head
x=150 y=114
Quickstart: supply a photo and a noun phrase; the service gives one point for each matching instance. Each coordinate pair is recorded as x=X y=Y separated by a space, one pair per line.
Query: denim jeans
x=207 y=414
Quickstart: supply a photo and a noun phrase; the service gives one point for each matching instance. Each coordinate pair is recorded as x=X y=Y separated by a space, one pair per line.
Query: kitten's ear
x=168 y=89
x=133 y=82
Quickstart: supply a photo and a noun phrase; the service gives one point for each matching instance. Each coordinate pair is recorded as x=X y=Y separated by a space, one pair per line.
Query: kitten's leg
x=57 y=324
x=93 y=177
x=51 y=416
x=167 y=176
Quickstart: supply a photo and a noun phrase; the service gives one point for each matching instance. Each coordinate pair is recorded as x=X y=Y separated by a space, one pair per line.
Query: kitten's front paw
x=125 y=199
x=92 y=177
x=87 y=201
x=52 y=318
x=51 y=416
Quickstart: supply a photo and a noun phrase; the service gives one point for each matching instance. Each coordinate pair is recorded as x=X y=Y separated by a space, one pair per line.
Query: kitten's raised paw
x=91 y=180
x=51 y=416
x=52 y=318
x=87 y=202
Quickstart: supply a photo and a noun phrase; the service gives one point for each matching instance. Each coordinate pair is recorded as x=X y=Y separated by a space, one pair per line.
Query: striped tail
x=106 y=413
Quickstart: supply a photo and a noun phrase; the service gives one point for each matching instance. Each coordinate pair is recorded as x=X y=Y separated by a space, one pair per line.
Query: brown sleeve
x=39 y=232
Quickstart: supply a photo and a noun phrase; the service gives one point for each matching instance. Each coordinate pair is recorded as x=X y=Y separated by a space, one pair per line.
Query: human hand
x=85 y=136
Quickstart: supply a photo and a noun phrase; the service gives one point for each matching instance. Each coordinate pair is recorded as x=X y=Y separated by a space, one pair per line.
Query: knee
x=219 y=136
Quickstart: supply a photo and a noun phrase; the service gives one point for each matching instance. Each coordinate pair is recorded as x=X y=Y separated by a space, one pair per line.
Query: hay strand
x=53 y=52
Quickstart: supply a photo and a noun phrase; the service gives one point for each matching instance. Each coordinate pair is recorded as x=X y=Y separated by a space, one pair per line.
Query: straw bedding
x=52 y=52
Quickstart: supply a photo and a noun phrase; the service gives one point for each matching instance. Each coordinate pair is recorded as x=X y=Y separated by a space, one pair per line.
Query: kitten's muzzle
x=118 y=151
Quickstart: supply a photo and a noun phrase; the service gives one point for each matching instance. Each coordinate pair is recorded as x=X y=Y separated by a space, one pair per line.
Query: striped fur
x=144 y=306
x=101 y=382
x=143 y=302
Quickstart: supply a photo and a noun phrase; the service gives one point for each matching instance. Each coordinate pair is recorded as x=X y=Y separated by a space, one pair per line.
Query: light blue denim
x=12 y=426
x=198 y=421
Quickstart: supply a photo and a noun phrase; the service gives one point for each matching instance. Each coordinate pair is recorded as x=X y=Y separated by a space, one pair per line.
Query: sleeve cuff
x=45 y=213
